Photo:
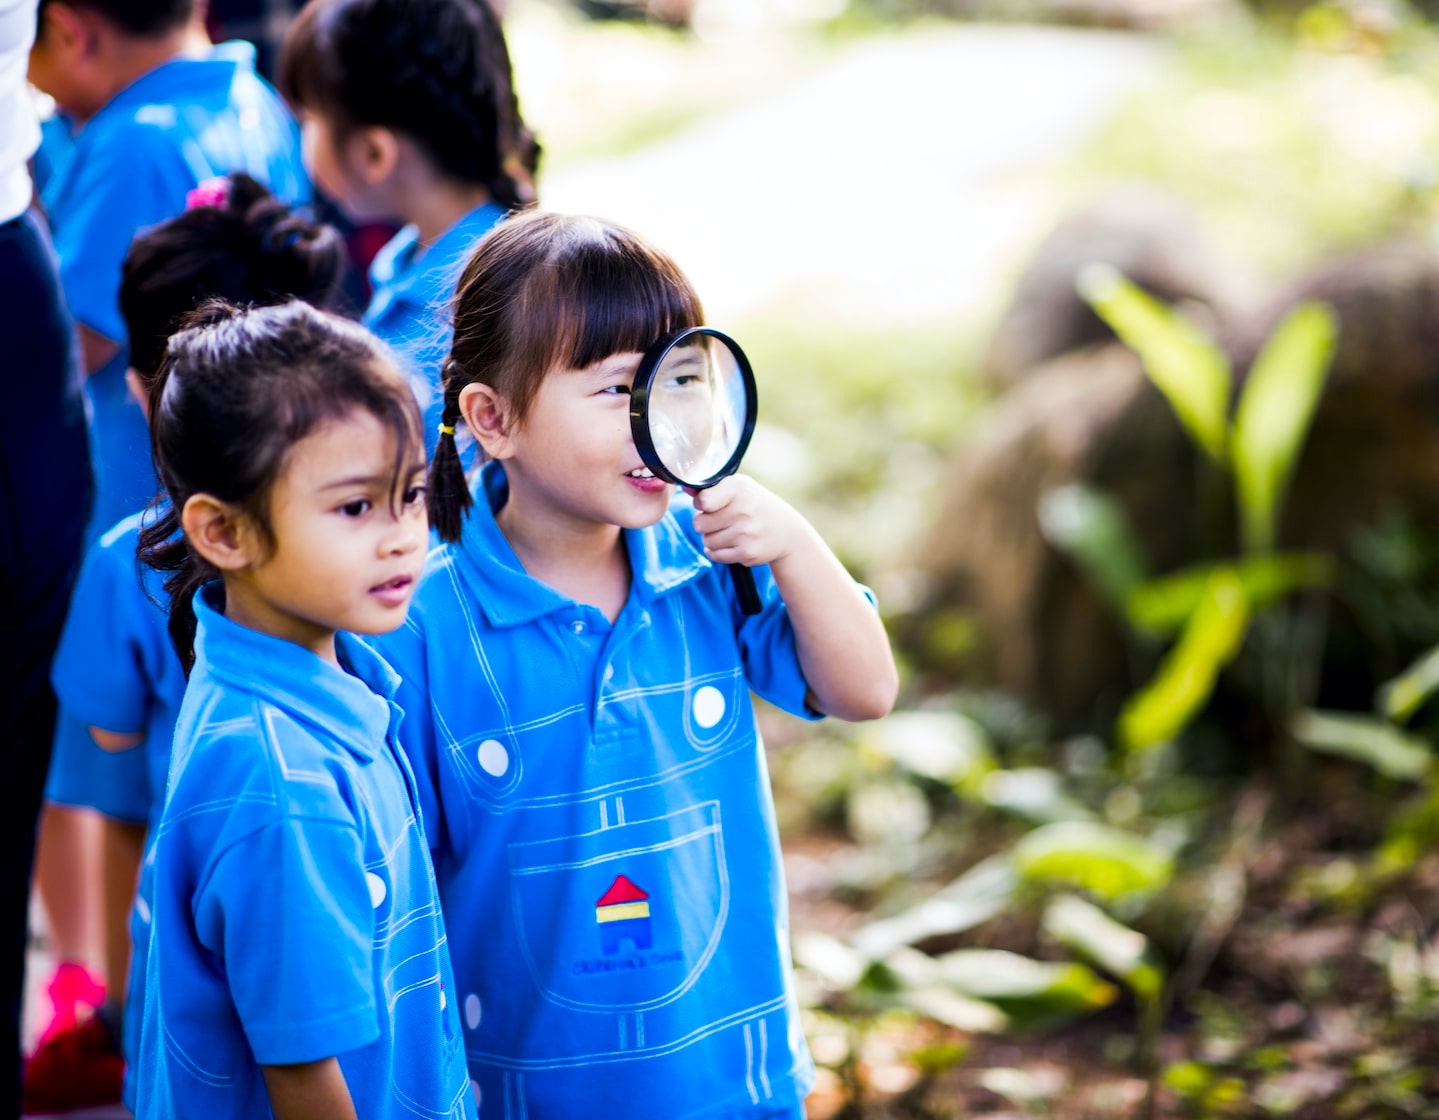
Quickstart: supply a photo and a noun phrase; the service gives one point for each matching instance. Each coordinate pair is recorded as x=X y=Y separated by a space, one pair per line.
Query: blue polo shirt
x=294 y=908
x=410 y=308
x=115 y=669
x=132 y=165
x=605 y=839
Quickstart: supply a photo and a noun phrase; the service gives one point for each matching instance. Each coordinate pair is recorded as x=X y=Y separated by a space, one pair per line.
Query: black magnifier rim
x=640 y=406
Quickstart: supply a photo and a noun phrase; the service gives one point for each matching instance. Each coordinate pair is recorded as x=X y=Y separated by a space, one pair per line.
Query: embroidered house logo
x=623 y=914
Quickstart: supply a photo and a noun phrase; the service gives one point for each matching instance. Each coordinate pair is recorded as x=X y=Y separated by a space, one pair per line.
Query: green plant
x=1211 y=606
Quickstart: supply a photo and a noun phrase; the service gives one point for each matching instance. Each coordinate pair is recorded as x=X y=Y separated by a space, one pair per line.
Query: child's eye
x=414 y=495
x=616 y=390
x=683 y=381
x=358 y=508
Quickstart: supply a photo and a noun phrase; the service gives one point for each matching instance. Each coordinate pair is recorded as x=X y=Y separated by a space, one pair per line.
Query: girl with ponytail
x=297 y=963
x=576 y=678
x=118 y=678
x=409 y=113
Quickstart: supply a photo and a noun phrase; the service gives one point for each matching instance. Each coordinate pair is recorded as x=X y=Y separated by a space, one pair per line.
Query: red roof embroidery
x=621 y=890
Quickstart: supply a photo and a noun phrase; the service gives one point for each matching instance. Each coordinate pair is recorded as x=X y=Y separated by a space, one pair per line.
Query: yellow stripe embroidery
x=622 y=912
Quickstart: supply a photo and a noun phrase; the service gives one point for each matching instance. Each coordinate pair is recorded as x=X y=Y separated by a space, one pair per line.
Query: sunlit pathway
x=890 y=185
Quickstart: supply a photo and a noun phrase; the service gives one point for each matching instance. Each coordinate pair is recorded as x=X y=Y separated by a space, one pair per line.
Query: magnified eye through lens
x=697 y=408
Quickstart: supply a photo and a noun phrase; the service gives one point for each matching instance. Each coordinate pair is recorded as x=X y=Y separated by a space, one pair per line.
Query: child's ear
x=488 y=418
x=373 y=154
x=64 y=28
x=136 y=385
x=223 y=535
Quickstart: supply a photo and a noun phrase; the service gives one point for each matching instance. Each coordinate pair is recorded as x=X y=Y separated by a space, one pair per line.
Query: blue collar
x=662 y=558
x=354 y=707
x=185 y=79
x=428 y=278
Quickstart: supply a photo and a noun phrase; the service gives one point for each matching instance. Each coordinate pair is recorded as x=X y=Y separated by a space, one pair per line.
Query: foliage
x=1259 y=446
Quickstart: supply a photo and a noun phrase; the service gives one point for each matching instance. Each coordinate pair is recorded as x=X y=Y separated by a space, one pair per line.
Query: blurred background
x=1099 y=337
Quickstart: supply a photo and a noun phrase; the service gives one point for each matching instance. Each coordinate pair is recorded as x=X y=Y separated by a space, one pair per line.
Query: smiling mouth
x=640 y=472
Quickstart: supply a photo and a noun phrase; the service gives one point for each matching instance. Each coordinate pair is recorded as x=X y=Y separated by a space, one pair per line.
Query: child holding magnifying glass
x=577 y=679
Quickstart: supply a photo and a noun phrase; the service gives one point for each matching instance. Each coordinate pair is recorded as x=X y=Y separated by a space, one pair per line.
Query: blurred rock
x=1374 y=447
x=1090 y=416
x=1144 y=233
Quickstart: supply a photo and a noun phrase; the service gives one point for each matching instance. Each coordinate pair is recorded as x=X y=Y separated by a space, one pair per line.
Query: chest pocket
x=626 y=918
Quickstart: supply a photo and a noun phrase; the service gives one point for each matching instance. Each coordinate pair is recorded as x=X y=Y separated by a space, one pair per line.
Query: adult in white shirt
x=45 y=494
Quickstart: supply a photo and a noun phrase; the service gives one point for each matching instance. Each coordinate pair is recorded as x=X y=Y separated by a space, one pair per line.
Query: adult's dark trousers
x=45 y=495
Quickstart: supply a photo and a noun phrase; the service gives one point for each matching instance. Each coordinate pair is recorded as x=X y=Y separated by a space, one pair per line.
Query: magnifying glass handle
x=745 y=589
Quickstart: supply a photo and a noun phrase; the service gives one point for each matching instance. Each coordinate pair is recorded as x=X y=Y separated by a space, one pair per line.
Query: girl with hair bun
x=117 y=678
x=297 y=965
x=408 y=112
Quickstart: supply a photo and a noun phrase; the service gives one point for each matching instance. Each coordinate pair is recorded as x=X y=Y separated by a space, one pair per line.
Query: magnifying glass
x=692 y=412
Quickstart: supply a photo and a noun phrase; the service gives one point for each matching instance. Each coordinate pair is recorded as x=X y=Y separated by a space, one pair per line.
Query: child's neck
x=132 y=57
x=431 y=201
x=245 y=608
x=589 y=563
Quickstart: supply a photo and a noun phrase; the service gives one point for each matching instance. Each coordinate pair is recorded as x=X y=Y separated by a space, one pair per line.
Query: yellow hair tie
x=447 y=429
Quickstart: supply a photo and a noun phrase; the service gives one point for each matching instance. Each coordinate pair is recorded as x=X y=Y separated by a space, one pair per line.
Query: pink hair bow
x=212 y=192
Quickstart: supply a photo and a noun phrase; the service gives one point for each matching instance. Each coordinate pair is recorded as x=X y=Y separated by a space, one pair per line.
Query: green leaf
x=1087 y=930
x=1185 y=364
x=1034 y=793
x=1092 y=529
x=1186 y=676
x=1096 y=857
x=1275 y=409
x=978 y=895
x=1161 y=606
x=1028 y=991
x=1379 y=745
x=1400 y=698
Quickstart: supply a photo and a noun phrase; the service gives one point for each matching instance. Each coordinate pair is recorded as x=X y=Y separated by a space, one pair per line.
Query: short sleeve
x=99 y=669
x=288 y=912
x=404 y=649
x=768 y=649
x=116 y=784
x=115 y=190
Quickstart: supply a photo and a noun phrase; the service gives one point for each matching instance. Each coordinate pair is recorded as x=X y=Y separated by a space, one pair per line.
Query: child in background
x=119 y=682
x=156 y=114
x=297 y=963
x=409 y=113
x=576 y=682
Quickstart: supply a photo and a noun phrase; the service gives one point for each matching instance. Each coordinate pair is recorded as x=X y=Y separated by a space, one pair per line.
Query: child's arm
x=116 y=740
x=311 y=1091
x=843 y=650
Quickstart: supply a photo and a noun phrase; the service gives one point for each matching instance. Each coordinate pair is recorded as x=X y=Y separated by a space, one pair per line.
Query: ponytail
x=448 y=493
x=163 y=547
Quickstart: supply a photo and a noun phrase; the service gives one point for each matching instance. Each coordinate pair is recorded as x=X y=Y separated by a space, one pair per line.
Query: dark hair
x=137 y=17
x=436 y=70
x=238 y=389
x=543 y=292
x=253 y=249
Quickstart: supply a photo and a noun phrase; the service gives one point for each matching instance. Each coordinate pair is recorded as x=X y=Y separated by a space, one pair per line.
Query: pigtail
x=163 y=547
x=448 y=496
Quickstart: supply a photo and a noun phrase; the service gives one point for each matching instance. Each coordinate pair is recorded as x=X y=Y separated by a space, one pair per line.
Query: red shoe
x=76 y=1068
x=74 y=993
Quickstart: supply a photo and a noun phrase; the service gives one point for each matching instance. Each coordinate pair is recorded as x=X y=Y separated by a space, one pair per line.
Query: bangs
x=600 y=294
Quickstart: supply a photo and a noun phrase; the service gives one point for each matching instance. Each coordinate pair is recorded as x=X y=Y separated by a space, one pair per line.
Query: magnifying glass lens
x=698 y=402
